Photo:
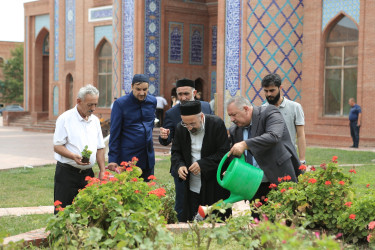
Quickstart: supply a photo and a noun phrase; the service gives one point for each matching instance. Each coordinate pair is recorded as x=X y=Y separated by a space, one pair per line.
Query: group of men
x=266 y=135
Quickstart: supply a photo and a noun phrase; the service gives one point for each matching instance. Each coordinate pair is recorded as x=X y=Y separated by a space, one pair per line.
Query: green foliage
x=322 y=199
x=120 y=211
x=86 y=153
x=167 y=210
x=244 y=232
x=12 y=89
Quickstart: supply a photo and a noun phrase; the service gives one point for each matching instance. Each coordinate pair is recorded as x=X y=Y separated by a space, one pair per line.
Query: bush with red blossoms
x=322 y=199
x=120 y=211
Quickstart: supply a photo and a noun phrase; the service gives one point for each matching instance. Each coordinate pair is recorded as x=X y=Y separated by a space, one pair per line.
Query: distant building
x=322 y=49
x=5 y=54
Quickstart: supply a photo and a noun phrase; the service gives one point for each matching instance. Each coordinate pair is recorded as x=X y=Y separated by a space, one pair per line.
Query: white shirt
x=74 y=132
x=195 y=183
x=161 y=102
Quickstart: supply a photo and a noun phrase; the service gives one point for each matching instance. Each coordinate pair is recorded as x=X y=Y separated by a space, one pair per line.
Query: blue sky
x=12 y=20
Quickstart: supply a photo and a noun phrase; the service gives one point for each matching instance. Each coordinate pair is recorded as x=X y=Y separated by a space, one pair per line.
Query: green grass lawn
x=34 y=187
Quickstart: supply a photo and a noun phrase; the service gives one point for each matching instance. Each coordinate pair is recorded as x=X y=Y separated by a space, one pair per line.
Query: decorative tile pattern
x=70 y=30
x=55 y=101
x=26 y=95
x=233 y=19
x=100 y=14
x=152 y=44
x=102 y=31
x=40 y=22
x=115 y=47
x=214 y=45
x=333 y=7
x=213 y=84
x=127 y=43
x=196 y=44
x=56 y=42
x=274 y=45
x=176 y=40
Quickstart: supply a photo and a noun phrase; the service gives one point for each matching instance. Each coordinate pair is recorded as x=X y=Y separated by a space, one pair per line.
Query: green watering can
x=241 y=179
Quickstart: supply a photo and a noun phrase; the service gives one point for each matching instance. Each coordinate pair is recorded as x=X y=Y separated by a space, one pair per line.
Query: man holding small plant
x=77 y=132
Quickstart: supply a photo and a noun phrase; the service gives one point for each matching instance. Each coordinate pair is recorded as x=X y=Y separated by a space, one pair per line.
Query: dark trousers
x=194 y=202
x=354 y=132
x=261 y=194
x=179 y=201
x=146 y=173
x=160 y=115
x=68 y=181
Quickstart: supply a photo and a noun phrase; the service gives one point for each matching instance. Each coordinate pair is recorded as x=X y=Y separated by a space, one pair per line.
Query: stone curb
x=18 y=211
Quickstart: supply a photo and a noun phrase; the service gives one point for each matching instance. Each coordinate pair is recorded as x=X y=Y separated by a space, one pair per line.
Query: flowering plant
x=322 y=198
x=86 y=153
x=117 y=211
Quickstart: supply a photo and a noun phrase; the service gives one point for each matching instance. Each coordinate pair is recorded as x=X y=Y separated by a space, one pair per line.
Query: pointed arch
x=103 y=69
x=69 y=86
x=340 y=64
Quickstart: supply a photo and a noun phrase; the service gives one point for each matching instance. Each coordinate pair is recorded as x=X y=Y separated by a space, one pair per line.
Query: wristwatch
x=303 y=162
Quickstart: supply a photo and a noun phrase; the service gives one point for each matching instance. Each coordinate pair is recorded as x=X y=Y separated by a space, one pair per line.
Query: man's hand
x=238 y=149
x=112 y=166
x=78 y=159
x=195 y=168
x=182 y=172
x=164 y=133
x=101 y=175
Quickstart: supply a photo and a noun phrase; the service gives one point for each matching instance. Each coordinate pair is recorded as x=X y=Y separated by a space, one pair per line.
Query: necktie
x=249 y=156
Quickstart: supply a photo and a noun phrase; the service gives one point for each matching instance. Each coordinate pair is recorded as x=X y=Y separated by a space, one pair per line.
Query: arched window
x=105 y=75
x=341 y=59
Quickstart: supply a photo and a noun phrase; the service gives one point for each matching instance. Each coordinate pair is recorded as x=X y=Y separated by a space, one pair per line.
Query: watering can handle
x=221 y=165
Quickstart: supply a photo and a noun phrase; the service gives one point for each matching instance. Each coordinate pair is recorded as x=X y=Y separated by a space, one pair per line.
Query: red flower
x=60 y=209
x=158 y=192
x=302 y=167
x=129 y=169
x=134 y=159
x=287 y=178
x=334 y=158
x=283 y=190
x=266 y=199
x=312 y=180
x=106 y=173
x=328 y=183
x=312 y=168
x=88 y=178
x=151 y=177
x=113 y=179
x=342 y=183
x=150 y=184
x=279 y=179
x=290 y=188
x=57 y=203
x=352 y=216
x=352 y=171
x=258 y=204
x=324 y=166
x=348 y=204
x=368 y=185
x=371 y=225
x=103 y=182
x=273 y=185
x=134 y=179
x=136 y=191
x=124 y=163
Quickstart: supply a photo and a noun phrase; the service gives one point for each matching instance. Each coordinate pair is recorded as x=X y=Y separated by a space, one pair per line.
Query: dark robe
x=214 y=146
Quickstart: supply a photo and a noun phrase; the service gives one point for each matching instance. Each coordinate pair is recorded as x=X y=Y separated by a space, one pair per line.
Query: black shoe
x=352 y=146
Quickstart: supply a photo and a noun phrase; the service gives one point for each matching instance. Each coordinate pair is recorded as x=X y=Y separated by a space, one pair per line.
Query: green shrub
x=321 y=200
x=119 y=211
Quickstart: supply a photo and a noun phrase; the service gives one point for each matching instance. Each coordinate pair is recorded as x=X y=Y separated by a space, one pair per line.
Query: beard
x=273 y=100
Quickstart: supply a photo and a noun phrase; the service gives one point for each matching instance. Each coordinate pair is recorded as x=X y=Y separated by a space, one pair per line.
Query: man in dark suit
x=185 y=89
x=261 y=133
x=199 y=144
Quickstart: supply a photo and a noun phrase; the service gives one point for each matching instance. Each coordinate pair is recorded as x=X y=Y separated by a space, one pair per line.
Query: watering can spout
x=234 y=198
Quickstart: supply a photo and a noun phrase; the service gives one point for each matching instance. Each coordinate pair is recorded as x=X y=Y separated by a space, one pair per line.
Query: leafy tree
x=12 y=87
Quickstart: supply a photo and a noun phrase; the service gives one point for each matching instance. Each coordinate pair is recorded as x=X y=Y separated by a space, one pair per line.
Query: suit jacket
x=132 y=123
x=270 y=144
x=214 y=146
x=173 y=117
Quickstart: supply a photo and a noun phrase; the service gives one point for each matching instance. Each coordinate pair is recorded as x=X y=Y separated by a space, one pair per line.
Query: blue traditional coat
x=132 y=122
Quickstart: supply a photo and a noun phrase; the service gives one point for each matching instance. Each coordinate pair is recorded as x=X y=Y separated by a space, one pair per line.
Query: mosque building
x=319 y=48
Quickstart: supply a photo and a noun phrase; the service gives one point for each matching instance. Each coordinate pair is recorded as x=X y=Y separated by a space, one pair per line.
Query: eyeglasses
x=185 y=125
